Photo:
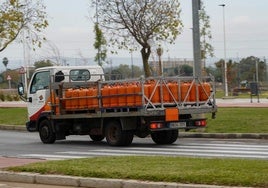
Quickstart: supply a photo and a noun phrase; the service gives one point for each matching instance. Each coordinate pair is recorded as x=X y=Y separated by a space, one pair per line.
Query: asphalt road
x=28 y=145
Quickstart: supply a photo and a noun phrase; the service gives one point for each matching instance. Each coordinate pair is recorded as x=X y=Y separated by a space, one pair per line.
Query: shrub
x=16 y=97
x=9 y=97
x=2 y=96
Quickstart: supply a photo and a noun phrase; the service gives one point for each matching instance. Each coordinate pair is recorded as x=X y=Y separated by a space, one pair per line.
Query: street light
x=224 y=43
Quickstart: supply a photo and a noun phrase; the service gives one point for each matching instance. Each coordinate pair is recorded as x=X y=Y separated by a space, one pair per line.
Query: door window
x=40 y=81
x=80 y=75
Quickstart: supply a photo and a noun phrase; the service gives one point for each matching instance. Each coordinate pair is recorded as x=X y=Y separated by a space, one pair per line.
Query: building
x=170 y=66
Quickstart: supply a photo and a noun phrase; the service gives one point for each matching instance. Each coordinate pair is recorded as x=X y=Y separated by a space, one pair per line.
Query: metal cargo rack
x=147 y=107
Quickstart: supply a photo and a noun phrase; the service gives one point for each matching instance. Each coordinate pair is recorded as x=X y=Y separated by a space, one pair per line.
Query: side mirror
x=21 y=92
x=20 y=89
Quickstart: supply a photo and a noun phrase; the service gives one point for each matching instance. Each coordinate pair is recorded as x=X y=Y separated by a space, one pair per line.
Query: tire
x=165 y=137
x=46 y=133
x=115 y=136
x=96 y=138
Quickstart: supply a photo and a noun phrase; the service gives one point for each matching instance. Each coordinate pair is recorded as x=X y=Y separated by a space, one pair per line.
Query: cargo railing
x=133 y=95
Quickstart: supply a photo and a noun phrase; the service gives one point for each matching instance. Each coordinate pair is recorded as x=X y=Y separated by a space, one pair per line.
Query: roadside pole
x=196 y=38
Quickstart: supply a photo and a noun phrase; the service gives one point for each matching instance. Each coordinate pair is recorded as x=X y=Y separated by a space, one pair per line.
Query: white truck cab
x=39 y=93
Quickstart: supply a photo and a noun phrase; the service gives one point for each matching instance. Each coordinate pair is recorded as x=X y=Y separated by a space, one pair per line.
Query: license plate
x=177 y=125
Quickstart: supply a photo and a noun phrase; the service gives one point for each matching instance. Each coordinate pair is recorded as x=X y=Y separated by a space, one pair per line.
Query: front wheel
x=46 y=133
x=115 y=136
x=165 y=137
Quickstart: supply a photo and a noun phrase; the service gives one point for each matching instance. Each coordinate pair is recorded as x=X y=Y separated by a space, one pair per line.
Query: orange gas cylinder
x=82 y=98
x=94 y=100
x=55 y=103
x=193 y=93
x=113 y=96
x=156 y=93
x=184 y=90
x=138 y=97
x=146 y=91
x=131 y=94
x=57 y=108
x=122 y=99
x=75 y=101
x=204 y=91
x=174 y=90
x=90 y=99
x=47 y=106
x=48 y=103
x=166 y=95
x=68 y=96
x=105 y=92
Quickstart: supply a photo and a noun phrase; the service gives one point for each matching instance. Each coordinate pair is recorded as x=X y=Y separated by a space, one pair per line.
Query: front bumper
x=31 y=126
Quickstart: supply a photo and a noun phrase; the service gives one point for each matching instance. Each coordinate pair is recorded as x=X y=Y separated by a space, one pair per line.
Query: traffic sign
x=9 y=77
x=22 y=70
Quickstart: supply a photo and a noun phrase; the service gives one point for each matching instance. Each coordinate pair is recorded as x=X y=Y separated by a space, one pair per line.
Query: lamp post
x=26 y=58
x=196 y=38
x=224 y=43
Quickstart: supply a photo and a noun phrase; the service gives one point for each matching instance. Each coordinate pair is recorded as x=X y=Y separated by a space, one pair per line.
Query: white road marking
x=188 y=149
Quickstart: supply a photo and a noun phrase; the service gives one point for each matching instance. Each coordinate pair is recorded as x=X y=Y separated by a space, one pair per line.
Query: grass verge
x=13 y=116
x=239 y=120
x=228 y=172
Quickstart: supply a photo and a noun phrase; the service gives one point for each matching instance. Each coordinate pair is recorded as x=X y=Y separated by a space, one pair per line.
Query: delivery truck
x=80 y=100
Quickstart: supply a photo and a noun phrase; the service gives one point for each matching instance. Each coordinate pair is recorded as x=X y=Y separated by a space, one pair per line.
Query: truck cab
x=39 y=90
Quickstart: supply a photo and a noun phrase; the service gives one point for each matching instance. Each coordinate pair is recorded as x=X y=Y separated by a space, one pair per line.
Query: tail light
x=201 y=123
x=156 y=125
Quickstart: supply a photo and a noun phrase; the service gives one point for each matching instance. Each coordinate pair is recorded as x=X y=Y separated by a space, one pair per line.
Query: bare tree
x=146 y=21
x=21 y=15
x=51 y=52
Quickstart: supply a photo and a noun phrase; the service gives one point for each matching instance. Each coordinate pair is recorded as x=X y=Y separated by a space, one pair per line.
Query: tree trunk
x=160 y=67
x=145 y=53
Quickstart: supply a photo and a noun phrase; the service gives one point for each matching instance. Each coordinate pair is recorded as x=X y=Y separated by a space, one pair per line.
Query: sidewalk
x=234 y=102
x=12 y=104
x=13 y=161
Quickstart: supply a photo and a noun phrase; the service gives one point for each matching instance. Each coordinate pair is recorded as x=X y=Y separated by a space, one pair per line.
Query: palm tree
x=5 y=62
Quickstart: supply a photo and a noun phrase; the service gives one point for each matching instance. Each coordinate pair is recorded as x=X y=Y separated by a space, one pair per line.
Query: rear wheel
x=96 y=138
x=165 y=137
x=46 y=133
x=115 y=136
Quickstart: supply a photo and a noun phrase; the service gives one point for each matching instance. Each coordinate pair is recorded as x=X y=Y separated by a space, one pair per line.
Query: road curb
x=225 y=135
x=62 y=180
x=13 y=127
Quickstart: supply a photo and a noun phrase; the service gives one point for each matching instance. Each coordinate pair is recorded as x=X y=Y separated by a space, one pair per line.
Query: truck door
x=38 y=94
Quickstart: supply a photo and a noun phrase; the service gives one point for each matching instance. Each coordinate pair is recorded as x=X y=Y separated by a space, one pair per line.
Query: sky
x=71 y=31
